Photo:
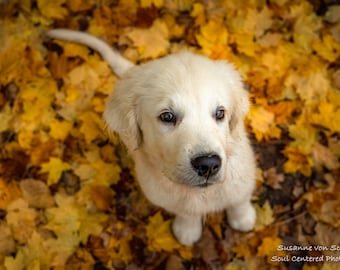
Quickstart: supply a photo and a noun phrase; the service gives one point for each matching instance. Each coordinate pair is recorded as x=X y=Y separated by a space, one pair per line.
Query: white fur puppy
x=181 y=118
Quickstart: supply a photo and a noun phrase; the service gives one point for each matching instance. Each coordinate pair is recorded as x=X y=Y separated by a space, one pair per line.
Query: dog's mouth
x=204 y=185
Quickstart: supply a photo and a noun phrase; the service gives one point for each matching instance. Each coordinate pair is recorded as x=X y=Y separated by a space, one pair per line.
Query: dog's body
x=181 y=118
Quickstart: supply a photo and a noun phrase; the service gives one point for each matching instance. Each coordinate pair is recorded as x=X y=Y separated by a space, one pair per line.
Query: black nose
x=206 y=165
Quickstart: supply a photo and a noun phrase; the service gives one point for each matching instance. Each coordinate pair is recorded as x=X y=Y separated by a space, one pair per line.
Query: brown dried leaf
x=273 y=179
x=36 y=193
x=7 y=243
x=323 y=156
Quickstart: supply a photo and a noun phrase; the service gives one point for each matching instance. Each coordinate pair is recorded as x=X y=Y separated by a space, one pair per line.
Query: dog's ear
x=121 y=117
x=240 y=109
x=240 y=97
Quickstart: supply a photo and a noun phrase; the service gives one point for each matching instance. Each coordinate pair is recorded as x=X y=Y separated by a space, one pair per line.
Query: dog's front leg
x=242 y=216
x=187 y=229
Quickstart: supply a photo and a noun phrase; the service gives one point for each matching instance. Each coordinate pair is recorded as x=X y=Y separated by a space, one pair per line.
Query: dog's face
x=184 y=113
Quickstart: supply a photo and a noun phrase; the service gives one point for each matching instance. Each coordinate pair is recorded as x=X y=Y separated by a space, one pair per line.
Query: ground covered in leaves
x=68 y=198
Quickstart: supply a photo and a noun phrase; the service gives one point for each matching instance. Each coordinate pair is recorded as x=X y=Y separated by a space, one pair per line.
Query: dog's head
x=184 y=113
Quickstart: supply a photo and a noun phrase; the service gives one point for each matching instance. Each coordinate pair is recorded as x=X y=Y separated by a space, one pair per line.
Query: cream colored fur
x=192 y=87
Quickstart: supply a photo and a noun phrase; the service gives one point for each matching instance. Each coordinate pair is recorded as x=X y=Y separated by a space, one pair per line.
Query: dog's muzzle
x=206 y=165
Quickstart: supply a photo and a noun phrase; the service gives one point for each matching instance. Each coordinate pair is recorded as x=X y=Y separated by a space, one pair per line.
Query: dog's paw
x=242 y=219
x=187 y=230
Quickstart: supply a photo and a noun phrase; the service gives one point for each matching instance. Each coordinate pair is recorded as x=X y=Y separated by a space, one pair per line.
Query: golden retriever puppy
x=181 y=119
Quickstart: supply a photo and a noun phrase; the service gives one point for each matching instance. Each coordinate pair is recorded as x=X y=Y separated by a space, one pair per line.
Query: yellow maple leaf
x=17 y=263
x=327 y=48
x=36 y=253
x=306 y=26
x=152 y=42
x=198 y=12
x=79 y=89
x=107 y=173
x=322 y=116
x=160 y=237
x=159 y=234
x=264 y=216
x=213 y=38
x=277 y=60
x=282 y=111
x=263 y=123
x=312 y=86
x=37 y=97
x=12 y=51
x=72 y=224
x=245 y=43
x=53 y=9
x=60 y=129
x=297 y=161
x=304 y=135
x=104 y=173
x=54 y=167
x=120 y=248
x=92 y=126
x=71 y=49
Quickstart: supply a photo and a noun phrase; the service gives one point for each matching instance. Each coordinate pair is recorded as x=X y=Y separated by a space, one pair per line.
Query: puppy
x=181 y=119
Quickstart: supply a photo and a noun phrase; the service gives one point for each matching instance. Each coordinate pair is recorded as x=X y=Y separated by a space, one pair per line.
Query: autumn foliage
x=68 y=198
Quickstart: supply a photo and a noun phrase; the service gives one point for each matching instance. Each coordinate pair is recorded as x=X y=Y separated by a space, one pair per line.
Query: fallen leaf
x=22 y=220
x=269 y=246
x=264 y=216
x=53 y=10
x=54 y=167
x=321 y=116
x=60 y=129
x=68 y=199
x=6 y=116
x=159 y=234
x=297 y=161
x=323 y=156
x=150 y=43
x=102 y=197
x=327 y=48
x=36 y=193
x=72 y=222
x=213 y=38
x=9 y=192
x=273 y=178
x=7 y=243
x=149 y=3
x=262 y=123
x=92 y=126
x=306 y=26
x=78 y=5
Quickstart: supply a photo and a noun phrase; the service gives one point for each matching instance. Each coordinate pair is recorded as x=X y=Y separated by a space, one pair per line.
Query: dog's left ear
x=240 y=98
x=120 y=116
x=240 y=109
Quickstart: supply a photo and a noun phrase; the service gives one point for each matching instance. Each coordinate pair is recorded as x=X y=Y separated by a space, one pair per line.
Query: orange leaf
x=269 y=246
x=52 y=9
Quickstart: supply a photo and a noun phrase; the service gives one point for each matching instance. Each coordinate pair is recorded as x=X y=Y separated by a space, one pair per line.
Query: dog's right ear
x=120 y=116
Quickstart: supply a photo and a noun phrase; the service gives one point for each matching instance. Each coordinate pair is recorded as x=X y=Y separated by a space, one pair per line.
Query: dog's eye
x=168 y=117
x=219 y=114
